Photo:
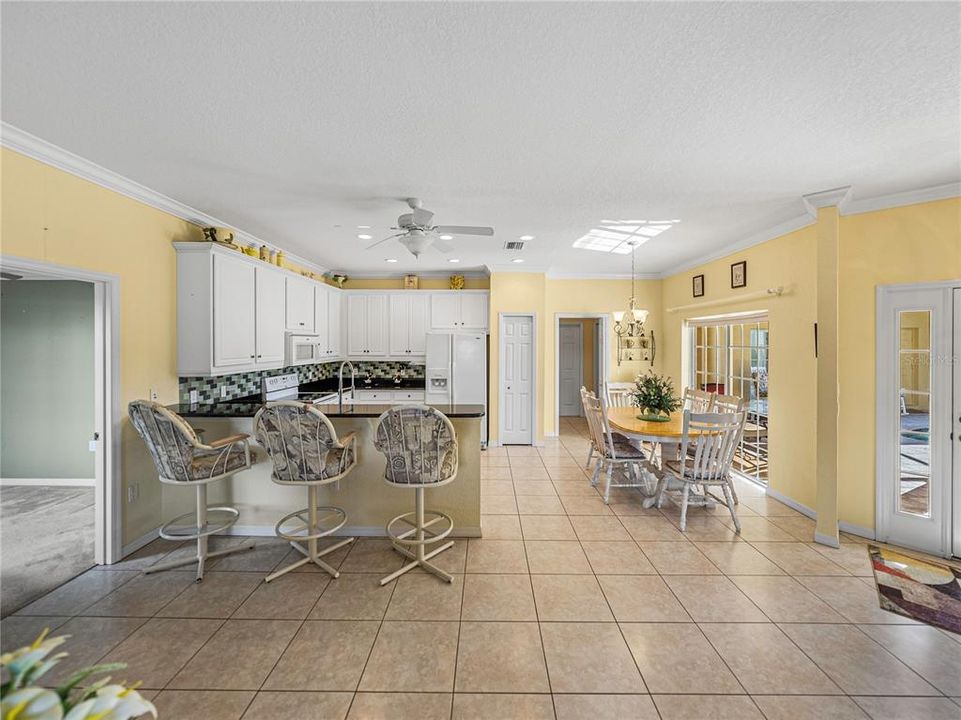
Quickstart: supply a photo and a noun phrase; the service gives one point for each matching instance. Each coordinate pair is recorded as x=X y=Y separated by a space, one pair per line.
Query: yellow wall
x=789 y=261
x=425 y=283
x=47 y=214
x=912 y=244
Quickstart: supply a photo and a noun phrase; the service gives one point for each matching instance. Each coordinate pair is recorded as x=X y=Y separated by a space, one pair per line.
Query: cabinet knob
x=251 y=357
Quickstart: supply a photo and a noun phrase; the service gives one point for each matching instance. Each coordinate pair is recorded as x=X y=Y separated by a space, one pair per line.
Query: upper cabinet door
x=399 y=325
x=300 y=305
x=357 y=324
x=334 y=325
x=473 y=311
x=321 y=300
x=377 y=325
x=270 y=317
x=234 y=308
x=445 y=311
x=418 y=325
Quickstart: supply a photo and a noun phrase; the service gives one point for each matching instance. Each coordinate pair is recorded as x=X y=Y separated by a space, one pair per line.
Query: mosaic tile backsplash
x=243 y=384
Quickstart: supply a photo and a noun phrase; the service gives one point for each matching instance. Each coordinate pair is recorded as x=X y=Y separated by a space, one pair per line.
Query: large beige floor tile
x=706 y=707
x=496 y=556
x=495 y=472
x=905 y=708
x=160 y=647
x=569 y=598
x=714 y=598
x=453 y=560
x=206 y=704
x=422 y=596
x=371 y=555
x=17 y=631
x=738 y=558
x=756 y=528
x=324 y=655
x=289 y=597
x=500 y=657
x=599 y=528
x=809 y=707
x=797 y=558
x=150 y=554
x=547 y=527
x=478 y=706
x=498 y=597
x=352 y=597
x=641 y=598
x=239 y=656
x=855 y=600
x=498 y=505
x=143 y=596
x=262 y=559
x=491 y=488
x=853 y=557
x=678 y=558
x=710 y=529
x=766 y=661
x=585 y=505
x=90 y=639
x=924 y=649
x=501 y=527
x=769 y=507
x=539 y=505
x=855 y=662
x=574 y=488
x=535 y=487
x=299 y=706
x=552 y=557
x=605 y=707
x=73 y=596
x=617 y=558
x=784 y=599
x=802 y=528
x=412 y=656
x=676 y=658
x=400 y=706
x=218 y=596
x=589 y=658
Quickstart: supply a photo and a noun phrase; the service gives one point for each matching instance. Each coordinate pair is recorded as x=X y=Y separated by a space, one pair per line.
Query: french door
x=918 y=424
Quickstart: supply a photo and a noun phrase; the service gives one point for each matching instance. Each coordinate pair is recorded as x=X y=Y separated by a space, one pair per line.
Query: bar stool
x=421 y=450
x=182 y=459
x=305 y=451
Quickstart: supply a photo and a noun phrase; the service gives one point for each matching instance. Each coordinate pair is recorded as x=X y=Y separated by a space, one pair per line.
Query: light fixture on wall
x=633 y=342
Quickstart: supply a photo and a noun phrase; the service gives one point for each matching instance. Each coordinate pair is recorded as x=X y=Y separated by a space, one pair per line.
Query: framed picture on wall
x=739 y=274
x=697 y=285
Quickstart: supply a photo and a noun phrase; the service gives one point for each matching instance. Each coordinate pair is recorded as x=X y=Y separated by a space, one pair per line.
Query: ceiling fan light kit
x=418 y=234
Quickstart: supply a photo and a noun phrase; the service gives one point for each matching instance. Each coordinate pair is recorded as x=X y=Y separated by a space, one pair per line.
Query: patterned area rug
x=924 y=591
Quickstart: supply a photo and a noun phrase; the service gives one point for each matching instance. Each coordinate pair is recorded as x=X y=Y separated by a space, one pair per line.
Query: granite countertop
x=356 y=410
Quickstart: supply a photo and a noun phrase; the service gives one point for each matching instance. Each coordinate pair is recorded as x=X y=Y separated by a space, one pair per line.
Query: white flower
x=112 y=702
x=31 y=704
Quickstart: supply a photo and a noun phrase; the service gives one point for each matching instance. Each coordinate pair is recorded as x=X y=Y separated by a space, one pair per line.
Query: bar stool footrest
x=404 y=537
x=218 y=520
x=306 y=532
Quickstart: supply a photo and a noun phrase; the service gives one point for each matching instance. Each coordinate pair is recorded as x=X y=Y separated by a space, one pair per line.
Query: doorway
x=571 y=376
x=60 y=446
x=590 y=356
x=517 y=378
x=918 y=424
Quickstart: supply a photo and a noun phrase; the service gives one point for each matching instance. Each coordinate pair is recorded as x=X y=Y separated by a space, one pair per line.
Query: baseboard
x=843 y=526
x=793 y=504
x=141 y=541
x=852 y=529
x=826 y=540
x=349 y=531
x=55 y=482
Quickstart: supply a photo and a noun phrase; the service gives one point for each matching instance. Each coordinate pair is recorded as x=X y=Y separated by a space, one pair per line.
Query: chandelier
x=633 y=343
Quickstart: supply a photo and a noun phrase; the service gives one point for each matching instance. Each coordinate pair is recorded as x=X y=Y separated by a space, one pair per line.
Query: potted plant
x=655 y=396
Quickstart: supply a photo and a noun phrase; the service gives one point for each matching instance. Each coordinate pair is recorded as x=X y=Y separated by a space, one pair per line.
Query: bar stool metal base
x=423 y=536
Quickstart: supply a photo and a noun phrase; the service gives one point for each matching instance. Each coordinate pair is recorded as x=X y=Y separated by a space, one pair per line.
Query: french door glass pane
x=914 y=360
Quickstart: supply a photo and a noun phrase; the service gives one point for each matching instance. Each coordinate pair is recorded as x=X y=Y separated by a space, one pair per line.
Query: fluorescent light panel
x=622 y=236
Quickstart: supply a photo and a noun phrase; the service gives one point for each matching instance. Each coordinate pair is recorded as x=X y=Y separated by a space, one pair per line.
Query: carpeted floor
x=46 y=538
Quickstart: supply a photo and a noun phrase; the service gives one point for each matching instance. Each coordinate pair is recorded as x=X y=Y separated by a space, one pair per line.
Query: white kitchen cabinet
x=408 y=324
x=300 y=305
x=334 y=324
x=382 y=396
x=269 y=329
x=367 y=325
x=327 y=320
x=234 y=309
x=459 y=310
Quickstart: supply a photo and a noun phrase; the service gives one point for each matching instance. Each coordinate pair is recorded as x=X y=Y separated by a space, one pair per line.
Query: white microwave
x=302 y=349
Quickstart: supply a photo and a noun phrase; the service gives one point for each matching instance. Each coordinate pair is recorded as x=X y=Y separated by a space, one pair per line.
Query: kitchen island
x=363 y=494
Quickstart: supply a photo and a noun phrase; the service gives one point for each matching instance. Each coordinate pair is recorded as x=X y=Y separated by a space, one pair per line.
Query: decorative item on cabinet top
x=411 y=282
x=456 y=282
x=223 y=237
x=337 y=278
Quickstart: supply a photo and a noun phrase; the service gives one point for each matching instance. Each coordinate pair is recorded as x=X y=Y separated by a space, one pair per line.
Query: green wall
x=46 y=379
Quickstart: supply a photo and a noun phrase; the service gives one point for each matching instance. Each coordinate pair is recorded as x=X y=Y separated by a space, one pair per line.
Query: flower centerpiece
x=655 y=396
x=21 y=698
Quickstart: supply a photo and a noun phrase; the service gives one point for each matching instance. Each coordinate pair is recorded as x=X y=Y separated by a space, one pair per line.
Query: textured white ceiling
x=297 y=122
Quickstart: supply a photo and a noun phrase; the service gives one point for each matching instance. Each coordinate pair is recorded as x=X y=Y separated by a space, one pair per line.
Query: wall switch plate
x=153 y=395
x=133 y=492
x=223 y=392
x=194 y=397
x=92 y=446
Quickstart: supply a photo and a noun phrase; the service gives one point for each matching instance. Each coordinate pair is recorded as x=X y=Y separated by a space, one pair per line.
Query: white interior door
x=956 y=417
x=570 y=361
x=915 y=418
x=517 y=380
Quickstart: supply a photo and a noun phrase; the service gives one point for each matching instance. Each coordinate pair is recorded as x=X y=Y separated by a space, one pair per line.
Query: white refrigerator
x=456 y=371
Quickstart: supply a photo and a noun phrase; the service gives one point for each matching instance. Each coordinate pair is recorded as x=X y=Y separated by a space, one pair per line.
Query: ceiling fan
x=419 y=234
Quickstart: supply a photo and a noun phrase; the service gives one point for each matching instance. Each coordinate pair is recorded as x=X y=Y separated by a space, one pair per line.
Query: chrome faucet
x=340 y=383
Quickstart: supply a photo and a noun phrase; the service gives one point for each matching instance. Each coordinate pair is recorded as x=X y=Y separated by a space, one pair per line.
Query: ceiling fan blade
x=422 y=217
x=442 y=246
x=369 y=247
x=463 y=230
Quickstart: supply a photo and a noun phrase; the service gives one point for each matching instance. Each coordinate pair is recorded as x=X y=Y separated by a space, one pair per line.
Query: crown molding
x=911 y=197
x=21 y=141
x=835 y=197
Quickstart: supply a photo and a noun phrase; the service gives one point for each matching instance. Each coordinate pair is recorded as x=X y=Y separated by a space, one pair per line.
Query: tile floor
x=566 y=609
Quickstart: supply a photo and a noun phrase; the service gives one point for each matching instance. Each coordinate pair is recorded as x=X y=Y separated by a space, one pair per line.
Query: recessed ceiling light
x=526 y=237
x=446 y=237
x=390 y=260
x=365 y=237
x=453 y=260
x=363 y=227
x=518 y=260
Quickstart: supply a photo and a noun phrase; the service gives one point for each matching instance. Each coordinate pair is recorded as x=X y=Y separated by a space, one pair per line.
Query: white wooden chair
x=615 y=452
x=618 y=395
x=305 y=451
x=697 y=400
x=726 y=404
x=708 y=443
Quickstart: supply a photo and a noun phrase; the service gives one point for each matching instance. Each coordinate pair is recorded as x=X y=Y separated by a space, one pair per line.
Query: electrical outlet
x=133 y=492
x=92 y=446
x=223 y=392
x=194 y=397
x=153 y=395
